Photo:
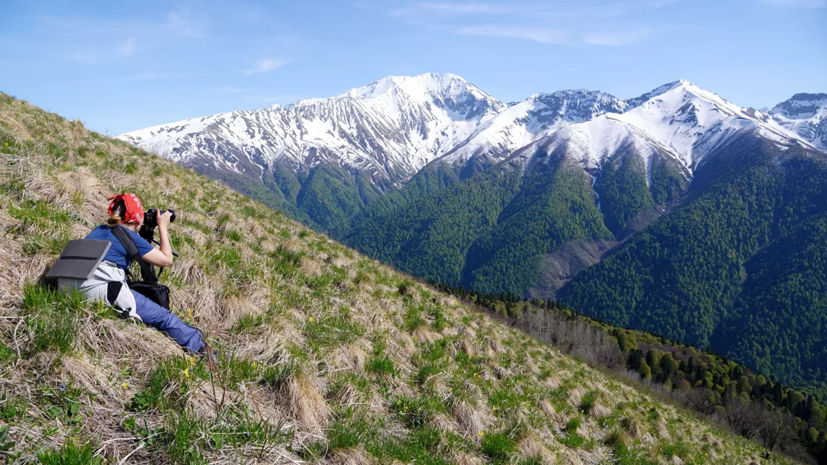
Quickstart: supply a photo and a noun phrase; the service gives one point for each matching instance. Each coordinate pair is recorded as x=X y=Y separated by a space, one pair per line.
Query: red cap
x=134 y=208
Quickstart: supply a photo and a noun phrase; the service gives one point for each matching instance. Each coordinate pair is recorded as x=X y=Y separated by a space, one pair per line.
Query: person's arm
x=161 y=257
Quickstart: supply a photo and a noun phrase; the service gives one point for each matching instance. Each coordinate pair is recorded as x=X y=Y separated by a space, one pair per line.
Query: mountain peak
x=805 y=115
x=660 y=90
x=442 y=84
x=802 y=106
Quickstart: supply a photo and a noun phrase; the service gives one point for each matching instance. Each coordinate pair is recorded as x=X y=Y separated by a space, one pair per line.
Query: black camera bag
x=155 y=292
x=149 y=286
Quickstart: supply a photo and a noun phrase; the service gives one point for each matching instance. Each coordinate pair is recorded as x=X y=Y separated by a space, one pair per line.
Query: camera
x=151 y=217
x=151 y=222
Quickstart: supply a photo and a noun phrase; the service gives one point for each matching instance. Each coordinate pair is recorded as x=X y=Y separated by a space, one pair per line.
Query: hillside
x=327 y=356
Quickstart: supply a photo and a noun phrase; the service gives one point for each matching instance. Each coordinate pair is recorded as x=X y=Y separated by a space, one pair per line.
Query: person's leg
x=167 y=322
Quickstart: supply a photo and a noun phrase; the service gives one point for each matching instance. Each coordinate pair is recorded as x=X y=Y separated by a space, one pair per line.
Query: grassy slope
x=333 y=356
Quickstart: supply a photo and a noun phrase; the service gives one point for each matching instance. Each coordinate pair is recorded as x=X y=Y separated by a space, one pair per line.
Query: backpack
x=148 y=286
x=78 y=260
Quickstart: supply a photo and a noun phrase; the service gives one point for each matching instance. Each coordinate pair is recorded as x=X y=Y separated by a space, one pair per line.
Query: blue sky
x=125 y=65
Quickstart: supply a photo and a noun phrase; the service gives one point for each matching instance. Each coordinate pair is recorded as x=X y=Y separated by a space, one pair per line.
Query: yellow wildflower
x=192 y=361
x=124 y=386
x=189 y=312
x=187 y=373
x=311 y=319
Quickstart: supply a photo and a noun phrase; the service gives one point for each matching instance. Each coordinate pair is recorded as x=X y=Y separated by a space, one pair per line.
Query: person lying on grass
x=108 y=283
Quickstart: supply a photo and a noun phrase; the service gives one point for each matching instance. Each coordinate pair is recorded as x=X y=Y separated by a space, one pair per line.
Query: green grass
x=573 y=439
x=333 y=330
x=498 y=447
x=183 y=433
x=71 y=454
x=52 y=317
x=588 y=401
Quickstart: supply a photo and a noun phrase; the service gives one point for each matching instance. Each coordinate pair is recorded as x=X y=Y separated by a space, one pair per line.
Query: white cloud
x=267 y=64
x=619 y=39
x=128 y=47
x=543 y=36
x=806 y=4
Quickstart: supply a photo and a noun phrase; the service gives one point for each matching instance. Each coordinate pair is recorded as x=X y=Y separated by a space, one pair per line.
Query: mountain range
x=676 y=212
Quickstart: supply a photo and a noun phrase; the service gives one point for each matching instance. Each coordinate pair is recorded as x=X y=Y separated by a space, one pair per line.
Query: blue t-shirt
x=117 y=252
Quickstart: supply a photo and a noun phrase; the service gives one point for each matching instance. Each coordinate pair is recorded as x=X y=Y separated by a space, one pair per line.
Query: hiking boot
x=208 y=353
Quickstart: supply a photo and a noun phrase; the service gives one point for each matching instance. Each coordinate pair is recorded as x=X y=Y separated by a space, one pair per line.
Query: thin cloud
x=267 y=64
x=802 y=4
x=457 y=11
x=543 y=36
x=181 y=24
x=128 y=48
x=663 y=3
x=619 y=39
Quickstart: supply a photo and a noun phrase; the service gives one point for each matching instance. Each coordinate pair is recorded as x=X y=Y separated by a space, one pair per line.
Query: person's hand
x=163 y=219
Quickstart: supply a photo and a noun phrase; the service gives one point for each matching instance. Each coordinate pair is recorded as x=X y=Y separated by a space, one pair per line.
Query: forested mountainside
x=326 y=356
x=736 y=269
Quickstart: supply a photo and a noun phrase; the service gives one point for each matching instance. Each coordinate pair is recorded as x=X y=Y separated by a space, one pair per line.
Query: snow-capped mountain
x=387 y=130
x=677 y=120
x=806 y=115
x=391 y=128
x=532 y=119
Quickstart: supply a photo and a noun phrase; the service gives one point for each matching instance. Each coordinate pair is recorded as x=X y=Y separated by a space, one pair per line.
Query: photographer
x=108 y=283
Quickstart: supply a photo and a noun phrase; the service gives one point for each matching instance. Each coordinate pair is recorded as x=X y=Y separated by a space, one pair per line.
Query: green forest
x=740 y=268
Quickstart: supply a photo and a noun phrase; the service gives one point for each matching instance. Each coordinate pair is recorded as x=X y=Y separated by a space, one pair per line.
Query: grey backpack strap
x=147 y=270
